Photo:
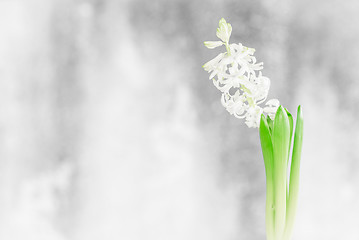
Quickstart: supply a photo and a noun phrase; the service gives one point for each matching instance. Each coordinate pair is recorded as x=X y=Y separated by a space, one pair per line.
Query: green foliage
x=282 y=196
x=267 y=150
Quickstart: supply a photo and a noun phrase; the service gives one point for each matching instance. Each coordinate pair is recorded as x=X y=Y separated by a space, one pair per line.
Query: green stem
x=227 y=48
x=270 y=212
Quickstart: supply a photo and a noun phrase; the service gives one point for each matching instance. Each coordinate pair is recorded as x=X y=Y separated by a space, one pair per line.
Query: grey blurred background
x=110 y=128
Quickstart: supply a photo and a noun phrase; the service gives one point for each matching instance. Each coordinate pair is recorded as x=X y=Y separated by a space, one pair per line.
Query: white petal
x=236 y=47
x=210 y=65
x=213 y=44
x=213 y=74
x=273 y=102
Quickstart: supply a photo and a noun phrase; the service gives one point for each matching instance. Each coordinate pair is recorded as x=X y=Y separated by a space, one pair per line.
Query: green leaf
x=290 y=118
x=266 y=143
x=270 y=124
x=267 y=150
x=294 y=175
x=280 y=139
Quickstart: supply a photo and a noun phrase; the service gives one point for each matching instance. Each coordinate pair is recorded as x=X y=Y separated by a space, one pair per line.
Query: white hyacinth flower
x=237 y=75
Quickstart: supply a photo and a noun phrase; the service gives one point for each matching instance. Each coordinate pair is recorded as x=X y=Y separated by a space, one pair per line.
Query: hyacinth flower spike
x=237 y=75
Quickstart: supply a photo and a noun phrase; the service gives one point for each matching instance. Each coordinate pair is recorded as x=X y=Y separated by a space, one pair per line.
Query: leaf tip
x=300 y=112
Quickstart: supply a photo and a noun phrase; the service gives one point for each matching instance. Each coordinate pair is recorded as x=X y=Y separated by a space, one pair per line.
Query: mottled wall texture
x=110 y=128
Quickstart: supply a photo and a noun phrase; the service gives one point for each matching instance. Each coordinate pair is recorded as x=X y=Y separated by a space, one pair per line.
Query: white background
x=110 y=128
